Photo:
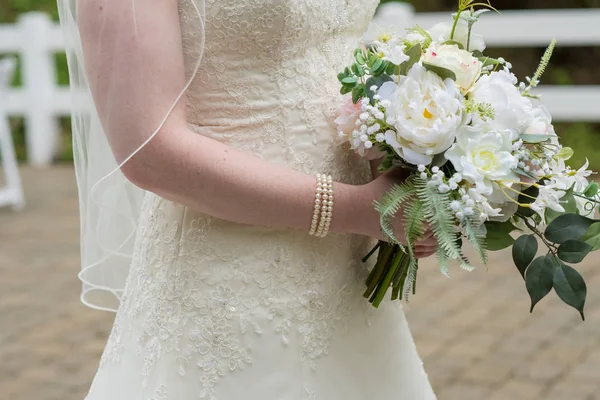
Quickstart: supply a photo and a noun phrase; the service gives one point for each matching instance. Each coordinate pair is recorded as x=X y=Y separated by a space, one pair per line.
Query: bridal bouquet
x=484 y=162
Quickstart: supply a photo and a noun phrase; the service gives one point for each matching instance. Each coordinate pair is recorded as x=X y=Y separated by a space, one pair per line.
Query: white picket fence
x=41 y=100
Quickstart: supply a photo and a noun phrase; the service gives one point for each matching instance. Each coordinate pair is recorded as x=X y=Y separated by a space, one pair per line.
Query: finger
x=422 y=255
x=427 y=242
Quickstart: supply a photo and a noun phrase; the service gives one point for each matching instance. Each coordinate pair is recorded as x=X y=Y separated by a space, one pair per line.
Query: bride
x=197 y=168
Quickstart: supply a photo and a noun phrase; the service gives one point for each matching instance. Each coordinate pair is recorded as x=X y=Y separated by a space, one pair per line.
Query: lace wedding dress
x=220 y=311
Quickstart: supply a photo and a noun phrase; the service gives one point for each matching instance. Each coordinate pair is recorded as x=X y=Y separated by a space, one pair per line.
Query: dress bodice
x=267 y=82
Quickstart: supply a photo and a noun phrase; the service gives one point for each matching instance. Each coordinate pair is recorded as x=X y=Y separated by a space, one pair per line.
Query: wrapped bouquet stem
x=482 y=158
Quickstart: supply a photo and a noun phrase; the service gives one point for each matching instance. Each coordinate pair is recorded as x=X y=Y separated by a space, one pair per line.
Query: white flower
x=455 y=205
x=391 y=48
x=441 y=32
x=548 y=197
x=466 y=67
x=484 y=158
x=512 y=110
x=415 y=37
x=542 y=124
x=577 y=180
x=427 y=113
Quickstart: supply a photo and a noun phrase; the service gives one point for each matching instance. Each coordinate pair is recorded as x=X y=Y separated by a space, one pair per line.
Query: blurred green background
x=570 y=66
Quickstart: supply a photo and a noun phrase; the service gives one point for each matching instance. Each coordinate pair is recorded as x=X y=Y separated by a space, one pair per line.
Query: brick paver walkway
x=474 y=332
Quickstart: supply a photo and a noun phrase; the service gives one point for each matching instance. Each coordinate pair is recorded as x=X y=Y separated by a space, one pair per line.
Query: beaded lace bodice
x=210 y=306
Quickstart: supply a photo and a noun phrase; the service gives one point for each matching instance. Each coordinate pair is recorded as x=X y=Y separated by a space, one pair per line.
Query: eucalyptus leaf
x=567 y=227
x=360 y=58
x=358 y=70
x=533 y=139
x=570 y=287
x=341 y=76
x=592 y=236
x=376 y=65
x=477 y=54
x=345 y=90
x=573 y=251
x=442 y=72
x=357 y=93
x=375 y=81
x=538 y=279
x=524 y=251
x=350 y=80
x=414 y=54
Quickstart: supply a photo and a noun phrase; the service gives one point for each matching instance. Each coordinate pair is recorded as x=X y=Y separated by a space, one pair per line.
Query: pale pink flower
x=348 y=114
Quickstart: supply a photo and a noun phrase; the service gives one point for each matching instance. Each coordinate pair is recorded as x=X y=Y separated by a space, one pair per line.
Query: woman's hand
x=370 y=220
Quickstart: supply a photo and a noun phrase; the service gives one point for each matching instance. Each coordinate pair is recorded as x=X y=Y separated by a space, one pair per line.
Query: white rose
x=391 y=49
x=441 y=33
x=485 y=159
x=512 y=110
x=426 y=111
x=542 y=124
x=466 y=67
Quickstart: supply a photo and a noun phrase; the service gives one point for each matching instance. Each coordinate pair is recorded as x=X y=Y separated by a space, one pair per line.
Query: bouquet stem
x=390 y=270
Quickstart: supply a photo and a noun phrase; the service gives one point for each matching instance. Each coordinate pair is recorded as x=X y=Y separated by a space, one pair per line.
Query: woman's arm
x=135 y=73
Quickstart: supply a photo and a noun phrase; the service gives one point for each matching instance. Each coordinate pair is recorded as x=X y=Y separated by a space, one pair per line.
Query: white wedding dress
x=221 y=311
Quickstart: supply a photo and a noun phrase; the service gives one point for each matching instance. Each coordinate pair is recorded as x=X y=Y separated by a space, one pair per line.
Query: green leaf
x=592 y=236
x=376 y=65
x=442 y=72
x=414 y=54
x=375 y=81
x=454 y=42
x=524 y=251
x=538 y=279
x=570 y=287
x=360 y=58
x=591 y=190
x=341 y=76
x=567 y=227
x=350 y=80
x=357 y=93
x=528 y=196
x=498 y=235
x=347 y=71
x=533 y=139
x=573 y=251
x=565 y=153
x=569 y=204
x=358 y=70
x=345 y=89
x=489 y=61
x=522 y=172
x=477 y=54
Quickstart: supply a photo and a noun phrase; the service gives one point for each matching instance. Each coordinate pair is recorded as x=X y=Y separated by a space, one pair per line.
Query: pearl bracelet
x=323 y=206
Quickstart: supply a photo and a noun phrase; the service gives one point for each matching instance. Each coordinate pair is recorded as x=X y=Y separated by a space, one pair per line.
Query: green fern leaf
x=476 y=238
x=390 y=204
x=437 y=212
